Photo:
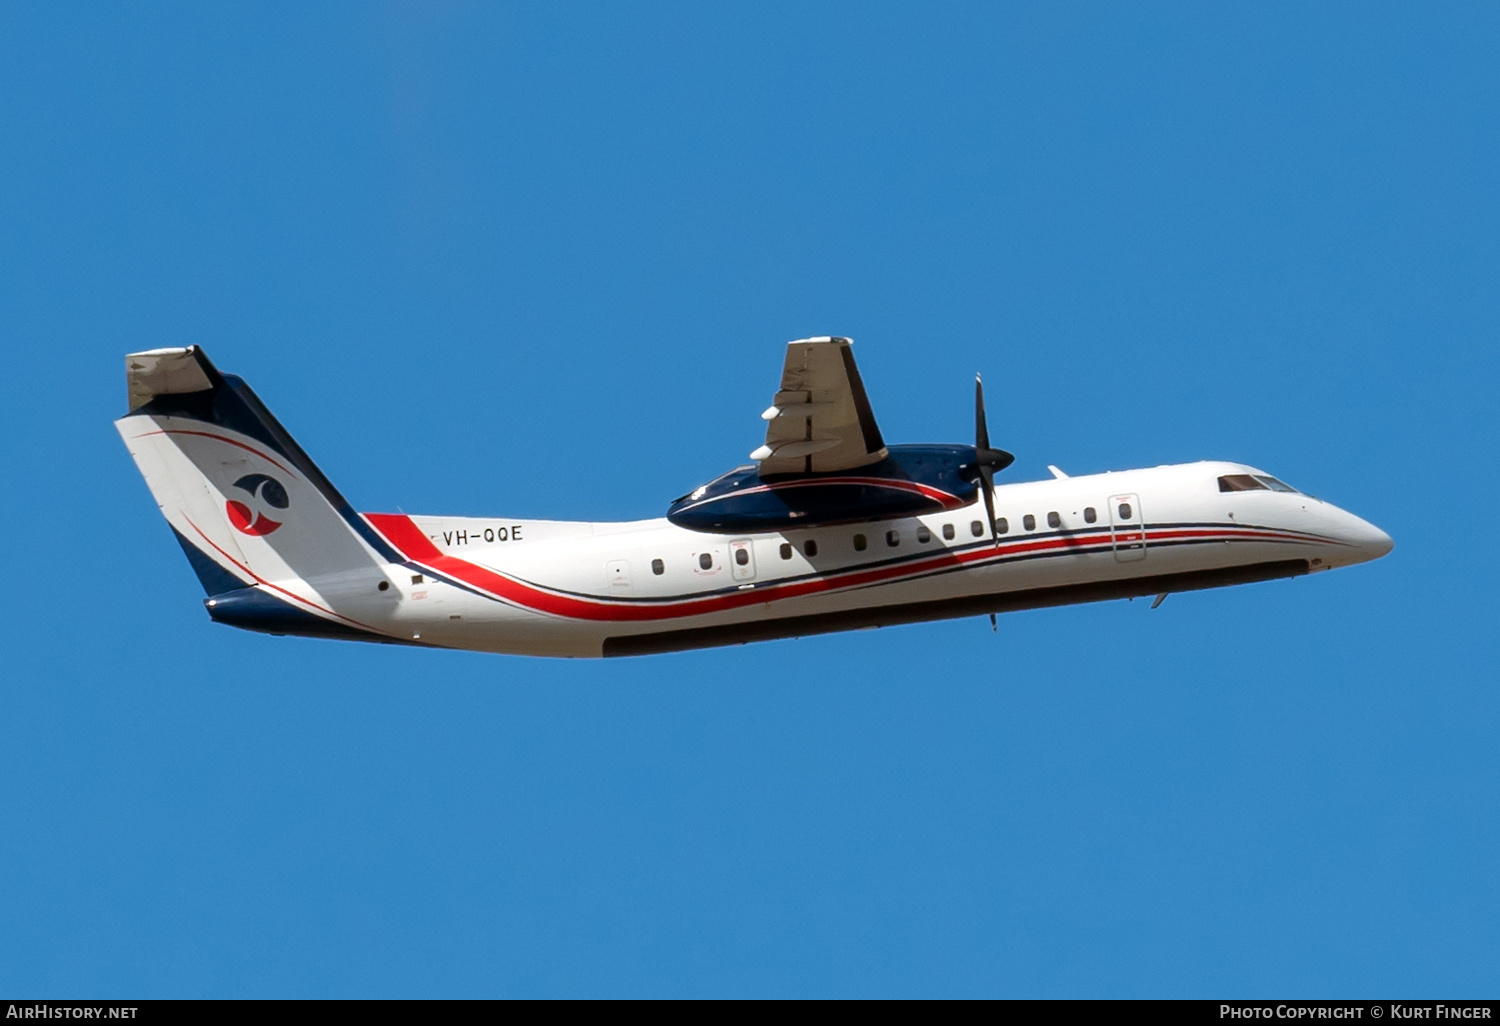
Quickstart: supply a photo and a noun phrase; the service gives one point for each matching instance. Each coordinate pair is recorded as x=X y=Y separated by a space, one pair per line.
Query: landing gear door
x=1127 y=527
x=742 y=560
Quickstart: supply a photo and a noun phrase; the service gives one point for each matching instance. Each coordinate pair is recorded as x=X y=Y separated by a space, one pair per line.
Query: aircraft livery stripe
x=417 y=547
x=927 y=491
x=1084 y=541
x=219 y=438
x=946 y=499
x=338 y=502
x=289 y=594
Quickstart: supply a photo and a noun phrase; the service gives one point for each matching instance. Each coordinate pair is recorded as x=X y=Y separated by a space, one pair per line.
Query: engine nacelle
x=912 y=480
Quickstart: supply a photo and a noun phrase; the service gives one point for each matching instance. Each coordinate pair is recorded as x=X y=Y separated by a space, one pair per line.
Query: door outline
x=742 y=571
x=1127 y=534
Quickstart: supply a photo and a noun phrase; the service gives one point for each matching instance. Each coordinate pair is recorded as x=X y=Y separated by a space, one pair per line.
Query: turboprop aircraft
x=827 y=529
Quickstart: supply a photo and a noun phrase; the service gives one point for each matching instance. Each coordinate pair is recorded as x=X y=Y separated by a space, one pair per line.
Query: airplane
x=828 y=528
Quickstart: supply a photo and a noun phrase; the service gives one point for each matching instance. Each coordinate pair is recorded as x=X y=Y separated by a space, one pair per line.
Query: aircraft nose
x=1368 y=540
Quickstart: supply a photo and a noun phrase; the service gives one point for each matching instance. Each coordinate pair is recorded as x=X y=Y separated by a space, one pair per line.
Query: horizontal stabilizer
x=167 y=372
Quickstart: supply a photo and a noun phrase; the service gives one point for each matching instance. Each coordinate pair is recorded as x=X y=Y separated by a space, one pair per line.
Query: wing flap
x=820 y=419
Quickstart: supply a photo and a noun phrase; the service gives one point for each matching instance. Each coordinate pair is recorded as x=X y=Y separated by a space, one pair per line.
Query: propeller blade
x=981 y=429
x=987 y=460
x=987 y=485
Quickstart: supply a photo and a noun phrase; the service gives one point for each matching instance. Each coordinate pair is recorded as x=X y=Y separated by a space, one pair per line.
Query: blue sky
x=541 y=261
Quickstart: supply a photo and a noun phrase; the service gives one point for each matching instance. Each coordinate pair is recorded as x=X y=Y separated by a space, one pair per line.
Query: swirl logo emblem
x=265 y=492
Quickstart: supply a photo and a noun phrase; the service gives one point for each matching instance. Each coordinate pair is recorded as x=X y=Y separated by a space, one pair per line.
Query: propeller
x=986 y=460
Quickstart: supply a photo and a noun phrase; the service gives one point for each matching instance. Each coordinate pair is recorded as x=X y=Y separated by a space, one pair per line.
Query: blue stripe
x=255 y=609
x=214 y=578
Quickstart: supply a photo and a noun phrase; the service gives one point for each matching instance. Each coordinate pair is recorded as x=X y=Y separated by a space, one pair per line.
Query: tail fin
x=272 y=541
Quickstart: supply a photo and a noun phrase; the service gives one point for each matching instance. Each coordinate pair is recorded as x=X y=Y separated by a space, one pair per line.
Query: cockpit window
x=1254 y=483
x=1241 y=483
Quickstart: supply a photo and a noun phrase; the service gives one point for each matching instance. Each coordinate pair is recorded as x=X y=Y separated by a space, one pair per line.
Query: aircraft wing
x=820 y=420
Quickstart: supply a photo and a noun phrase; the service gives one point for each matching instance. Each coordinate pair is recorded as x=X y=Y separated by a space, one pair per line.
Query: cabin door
x=1127 y=527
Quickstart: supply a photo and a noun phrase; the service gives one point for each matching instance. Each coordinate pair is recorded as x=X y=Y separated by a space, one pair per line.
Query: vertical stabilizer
x=249 y=507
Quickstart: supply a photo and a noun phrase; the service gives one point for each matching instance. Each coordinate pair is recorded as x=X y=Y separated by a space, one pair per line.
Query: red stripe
x=926 y=491
x=1160 y=535
x=946 y=499
x=406 y=536
x=276 y=587
x=221 y=438
x=401 y=532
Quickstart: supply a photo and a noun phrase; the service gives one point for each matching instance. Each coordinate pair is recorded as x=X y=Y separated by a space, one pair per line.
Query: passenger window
x=976 y=529
x=1029 y=522
x=1002 y=525
x=1125 y=511
x=1053 y=520
x=948 y=532
x=859 y=543
x=658 y=567
x=706 y=560
x=1089 y=516
x=893 y=538
x=923 y=535
x=811 y=548
x=742 y=556
x=786 y=551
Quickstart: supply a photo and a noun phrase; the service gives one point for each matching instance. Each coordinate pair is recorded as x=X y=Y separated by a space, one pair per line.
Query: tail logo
x=266 y=491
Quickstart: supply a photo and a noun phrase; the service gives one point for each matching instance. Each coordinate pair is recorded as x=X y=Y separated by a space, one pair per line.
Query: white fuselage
x=588 y=589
